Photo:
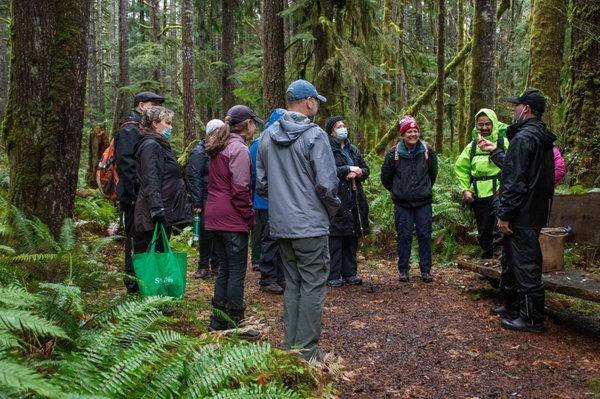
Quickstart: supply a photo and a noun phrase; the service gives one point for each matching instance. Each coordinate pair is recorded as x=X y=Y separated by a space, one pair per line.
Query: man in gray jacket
x=296 y=171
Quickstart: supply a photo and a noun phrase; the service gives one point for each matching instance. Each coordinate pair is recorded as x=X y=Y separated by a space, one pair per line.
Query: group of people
x=298 y=189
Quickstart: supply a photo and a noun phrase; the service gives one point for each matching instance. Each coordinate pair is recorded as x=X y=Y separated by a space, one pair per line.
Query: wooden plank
x=573 y=283
x=579 y=212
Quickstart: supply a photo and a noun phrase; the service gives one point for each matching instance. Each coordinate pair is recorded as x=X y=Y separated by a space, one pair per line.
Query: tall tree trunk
x=274 y=62
x=483 y=57
x=439 y=99
x=156 y=33
x=123 y=102
x=549 y=19
x=173 y=37
x=92 y=71
x=461 y=81
x=187 y=59
x=401 y=85
x=114 y=46
x=418 y=21
x=100 y=103
x=228 y=99
x=48 y=67
x=325 y=80
x=3 y=68
x=581 y=124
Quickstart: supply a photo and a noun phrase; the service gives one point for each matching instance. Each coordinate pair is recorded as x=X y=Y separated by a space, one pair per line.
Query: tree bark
x=92 y=72
x=439 y=100
x=483 y=57
x=187 y=59
x=3 y=68
x=401 y=85
x=581 y=123
x=227 y=84
x=122 y=103
x=461 y=81
x=549 y=19
x=325 y=78
x=100 y=103
x=274 y=62
x=173 y=37
x=49 y=65
x=156 y=34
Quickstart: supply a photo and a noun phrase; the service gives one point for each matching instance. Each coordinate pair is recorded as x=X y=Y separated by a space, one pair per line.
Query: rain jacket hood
x=289 y=127
x=498 y=128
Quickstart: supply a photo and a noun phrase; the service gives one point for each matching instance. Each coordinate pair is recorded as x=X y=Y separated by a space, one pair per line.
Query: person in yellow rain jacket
x=479 y=177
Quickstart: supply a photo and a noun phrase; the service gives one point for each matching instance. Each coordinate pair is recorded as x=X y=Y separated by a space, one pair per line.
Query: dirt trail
x=438 y=340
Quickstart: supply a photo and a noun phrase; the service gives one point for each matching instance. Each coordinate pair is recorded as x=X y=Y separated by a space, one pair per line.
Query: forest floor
x=416 y=340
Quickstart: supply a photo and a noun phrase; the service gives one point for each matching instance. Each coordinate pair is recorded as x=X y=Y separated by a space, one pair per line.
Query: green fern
x=21 y=379
x=14 y=296
x=23 y=320
x=270 y=391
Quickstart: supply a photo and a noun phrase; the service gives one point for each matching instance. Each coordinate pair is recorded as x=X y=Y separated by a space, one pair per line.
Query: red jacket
x=229 y=203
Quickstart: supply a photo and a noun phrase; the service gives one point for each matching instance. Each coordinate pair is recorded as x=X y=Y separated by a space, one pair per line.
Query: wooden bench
x=573 y=283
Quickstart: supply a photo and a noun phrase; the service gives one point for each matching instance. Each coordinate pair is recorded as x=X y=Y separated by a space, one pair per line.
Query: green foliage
x=95 y=210
x=126 y=352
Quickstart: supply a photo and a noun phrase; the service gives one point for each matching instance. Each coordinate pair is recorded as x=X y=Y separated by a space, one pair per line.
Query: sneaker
x=336 y=283
x=353 y=280
x=202 y=273
x=272 y=289
x=427 y=277
x=404 y=278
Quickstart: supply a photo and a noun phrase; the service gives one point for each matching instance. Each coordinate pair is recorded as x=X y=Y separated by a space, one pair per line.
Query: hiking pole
x=354 y=188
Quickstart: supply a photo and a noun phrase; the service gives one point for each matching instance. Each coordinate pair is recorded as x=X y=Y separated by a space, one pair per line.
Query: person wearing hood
x=296 y=171
x=197 y=176
x=162 y=197
x=479 y=178
x=526 y=193
x=351 y=221
x=409 y=171
x=229 y=214
x=128 y=186
x=270 y=265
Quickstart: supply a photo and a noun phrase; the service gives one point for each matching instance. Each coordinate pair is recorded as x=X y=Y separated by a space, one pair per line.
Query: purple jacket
x=559 y=165
x=229 y=203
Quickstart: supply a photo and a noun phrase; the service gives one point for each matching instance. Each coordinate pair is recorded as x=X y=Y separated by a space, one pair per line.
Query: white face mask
x=520 y=117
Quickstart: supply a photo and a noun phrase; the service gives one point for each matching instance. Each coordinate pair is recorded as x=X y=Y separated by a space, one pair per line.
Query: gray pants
x=306 y=269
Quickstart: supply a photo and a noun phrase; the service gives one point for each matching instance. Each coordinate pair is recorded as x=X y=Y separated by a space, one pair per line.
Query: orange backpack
x=107 y=176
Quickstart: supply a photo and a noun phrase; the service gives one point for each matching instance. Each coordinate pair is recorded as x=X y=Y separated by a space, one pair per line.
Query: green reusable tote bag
x=161 y=273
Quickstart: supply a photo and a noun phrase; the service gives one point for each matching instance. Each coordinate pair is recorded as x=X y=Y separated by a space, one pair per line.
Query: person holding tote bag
x=162 y=200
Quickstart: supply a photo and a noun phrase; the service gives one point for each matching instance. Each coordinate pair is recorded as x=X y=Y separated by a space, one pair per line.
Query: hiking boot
x=247 y=334
x=353 y=280
x=272 y=289
x=255 y=267
x=404 y=278
x=505 y=312
x=202 y=273
x=336 y=283
x=519 y=324
x=427 y=277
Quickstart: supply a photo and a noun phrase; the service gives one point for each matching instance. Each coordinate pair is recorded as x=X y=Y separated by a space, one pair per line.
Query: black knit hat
x=331 y=121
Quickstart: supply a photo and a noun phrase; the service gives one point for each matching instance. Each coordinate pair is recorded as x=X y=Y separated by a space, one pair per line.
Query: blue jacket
x=258 y=201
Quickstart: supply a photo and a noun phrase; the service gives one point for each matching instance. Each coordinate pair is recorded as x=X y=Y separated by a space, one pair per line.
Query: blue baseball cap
x=302 y=89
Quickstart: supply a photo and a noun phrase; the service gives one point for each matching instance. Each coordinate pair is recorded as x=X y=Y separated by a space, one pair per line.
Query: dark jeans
x=342 y=251
x=127 y=212
x=206 y=252
x=271 y=265
x=485 y=217
x=420 y=220
x=521 y=279
x=143 y=239
x=232 y=248
x=255 y=241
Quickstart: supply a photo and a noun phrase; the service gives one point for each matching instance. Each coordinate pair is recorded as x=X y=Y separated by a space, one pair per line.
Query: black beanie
x=332 y=120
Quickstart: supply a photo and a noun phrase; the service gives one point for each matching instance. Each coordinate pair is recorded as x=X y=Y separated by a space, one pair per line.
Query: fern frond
x=19 y=320
x=67 y=235
x=23 y=379
x=271 y=390
x=14 y=296
x=7 y=340
x=5 y=248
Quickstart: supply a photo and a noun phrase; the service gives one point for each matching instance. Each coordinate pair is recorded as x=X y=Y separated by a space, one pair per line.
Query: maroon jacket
x=229 y=202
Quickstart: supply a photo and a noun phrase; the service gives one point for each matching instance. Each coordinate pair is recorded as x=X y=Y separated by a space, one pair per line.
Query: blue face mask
x=342 y=133
x=166 y=133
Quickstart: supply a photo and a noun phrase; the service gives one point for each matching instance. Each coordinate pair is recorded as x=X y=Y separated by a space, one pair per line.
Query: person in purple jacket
x=229 y=213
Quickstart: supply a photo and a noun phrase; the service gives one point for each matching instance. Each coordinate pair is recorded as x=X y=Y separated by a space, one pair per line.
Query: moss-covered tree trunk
x=123 y=101
x=548 y=19
x=174 y=67
x=483 y=56
x=187 y=59
x=3 y=63
x=441 y=78
x=157 y=73
x=274 y=60
x=326 y=78
x=44 y=114
x=227 y=86
x=461 y=81
x=581 y=124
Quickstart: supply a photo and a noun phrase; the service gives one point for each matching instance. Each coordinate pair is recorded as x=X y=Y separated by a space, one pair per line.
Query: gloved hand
x=158 y=216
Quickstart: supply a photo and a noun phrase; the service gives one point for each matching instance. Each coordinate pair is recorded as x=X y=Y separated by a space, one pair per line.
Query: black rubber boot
x=217 y=322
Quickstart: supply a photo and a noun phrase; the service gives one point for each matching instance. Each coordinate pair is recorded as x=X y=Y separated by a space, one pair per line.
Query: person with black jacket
x=409 y=171
x=162 y=197
x=352 y=218
x=128 y=185
x=526 y=193
x=197 y=177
